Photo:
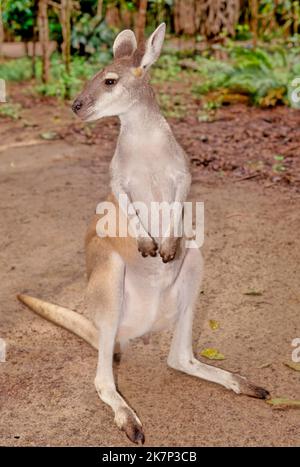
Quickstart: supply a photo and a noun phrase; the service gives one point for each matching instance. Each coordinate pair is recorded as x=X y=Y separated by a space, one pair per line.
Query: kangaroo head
x=113 y=90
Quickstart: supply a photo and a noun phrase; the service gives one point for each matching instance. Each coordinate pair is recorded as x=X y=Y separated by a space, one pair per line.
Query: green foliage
x=278 y=166
x=19 y=18
x=81 y=69
x=16 y=70
x=130 y=6
x=158 y=11
x=242 y=32
x=262 y=75
x=91 y=35
x=55 y=31
x=167 y=69
x=172 y=106
x=10 y=110
x=61 y=82
x=275 y=19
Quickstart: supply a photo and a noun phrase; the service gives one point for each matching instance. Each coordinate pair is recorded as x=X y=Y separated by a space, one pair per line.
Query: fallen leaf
x=213 y=324
x=264 y=365
x=29 y=124
x=212 y=354
x=254 y=293
x=205 y=117
x=49 y=135
x=293 y=365
x=272 y=97
x=282 y=403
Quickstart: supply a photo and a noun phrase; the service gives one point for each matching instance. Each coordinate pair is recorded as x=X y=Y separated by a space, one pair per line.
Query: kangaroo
x=142 y=282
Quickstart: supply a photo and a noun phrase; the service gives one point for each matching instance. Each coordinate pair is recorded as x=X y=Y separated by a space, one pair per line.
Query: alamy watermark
x=159 y=219
x=296 y=351
x=2 y=91
x=2 y=350
x=294 y=93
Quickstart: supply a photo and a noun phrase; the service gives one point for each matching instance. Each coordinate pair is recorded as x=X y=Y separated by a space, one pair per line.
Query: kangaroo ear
x=153 y=46
x=125 y=44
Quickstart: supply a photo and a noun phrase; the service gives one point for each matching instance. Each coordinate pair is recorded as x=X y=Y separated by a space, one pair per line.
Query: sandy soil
x=48 y=194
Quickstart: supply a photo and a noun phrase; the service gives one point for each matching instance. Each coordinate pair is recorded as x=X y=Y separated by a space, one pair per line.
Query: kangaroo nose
x=77 y=105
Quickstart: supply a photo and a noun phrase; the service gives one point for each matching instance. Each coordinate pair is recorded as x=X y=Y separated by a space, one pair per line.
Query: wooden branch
x=65 y=19
x=141 y=21
x=254 y=21
x=43 y=26
x=99 y=8
x=54 y=5
x=1 y=29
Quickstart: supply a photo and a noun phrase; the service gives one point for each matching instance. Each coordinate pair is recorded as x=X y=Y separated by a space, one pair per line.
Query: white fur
x=154 y=46
x=111 y=103
x=111 y=75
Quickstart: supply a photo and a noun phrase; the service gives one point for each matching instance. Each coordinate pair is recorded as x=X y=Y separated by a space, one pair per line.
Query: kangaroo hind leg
x=181 y=356
x=104 y=300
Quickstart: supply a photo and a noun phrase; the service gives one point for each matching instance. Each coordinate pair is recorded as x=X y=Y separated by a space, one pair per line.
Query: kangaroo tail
x=63 y=317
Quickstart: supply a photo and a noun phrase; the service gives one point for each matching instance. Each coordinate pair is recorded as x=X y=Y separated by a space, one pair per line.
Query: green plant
x=211 y=105
x=60 y=82
x=19 y=18
x=81 y=70
x=208 y=111
x=242 y=32
x=278 y=167
x=262 y=75
x=172 y=106
x=90 y=35
x=167 y=69
x=16 y=70
x=10 y=110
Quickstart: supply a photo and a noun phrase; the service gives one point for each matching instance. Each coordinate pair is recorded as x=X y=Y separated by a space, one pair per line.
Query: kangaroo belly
x=149 y=304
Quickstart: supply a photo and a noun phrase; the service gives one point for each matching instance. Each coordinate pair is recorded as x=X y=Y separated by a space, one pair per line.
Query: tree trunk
x=160 y=12
x=126 y=15
x=34 y=37
x=44 y=38
x=112 y=17
x=99 y=8
x=65 y=20
x=296 y=11
x=254 y=21
x=141 y=21
x=185 y=16
x=209 y=17
x=127 y=18
x=33 y=61
x=1 y=29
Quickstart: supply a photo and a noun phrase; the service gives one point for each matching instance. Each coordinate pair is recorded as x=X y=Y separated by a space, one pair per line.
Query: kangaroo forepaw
x=168 y=249
x=147 y=247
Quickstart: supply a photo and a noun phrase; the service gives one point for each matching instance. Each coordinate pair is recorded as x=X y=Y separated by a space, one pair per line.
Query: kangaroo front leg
x=181 y=355
x=173 y=232
x=147 y=246
x=105 y=296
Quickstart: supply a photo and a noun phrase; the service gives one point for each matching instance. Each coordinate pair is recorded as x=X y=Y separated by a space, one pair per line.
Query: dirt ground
x=50 y=190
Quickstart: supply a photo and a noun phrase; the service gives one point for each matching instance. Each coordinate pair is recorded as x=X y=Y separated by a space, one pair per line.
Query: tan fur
x=98 y=249
x=63 y=317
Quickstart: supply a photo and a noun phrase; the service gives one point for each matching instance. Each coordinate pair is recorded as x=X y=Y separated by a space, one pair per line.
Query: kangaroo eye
x=110 y=81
